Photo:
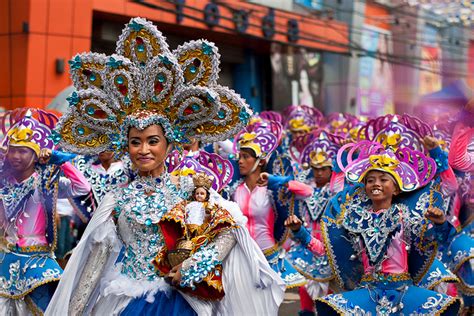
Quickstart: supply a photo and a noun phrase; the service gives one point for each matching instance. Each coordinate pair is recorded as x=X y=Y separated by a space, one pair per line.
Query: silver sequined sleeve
x=224 y=242
x=91 y=274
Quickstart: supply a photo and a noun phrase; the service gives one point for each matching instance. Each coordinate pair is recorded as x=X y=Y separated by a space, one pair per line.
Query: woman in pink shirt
x=267 y=199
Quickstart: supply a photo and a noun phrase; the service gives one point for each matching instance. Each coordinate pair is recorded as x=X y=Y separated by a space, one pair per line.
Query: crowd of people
x=160 y=192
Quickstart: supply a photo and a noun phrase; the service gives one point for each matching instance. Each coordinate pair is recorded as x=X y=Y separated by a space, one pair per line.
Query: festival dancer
x=379 y=247
x=317 y=153
x=267 y=199
x=33 y=177
x=151 y=99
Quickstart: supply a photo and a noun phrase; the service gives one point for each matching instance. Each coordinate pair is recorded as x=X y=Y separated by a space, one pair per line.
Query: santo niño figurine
x=187 y=228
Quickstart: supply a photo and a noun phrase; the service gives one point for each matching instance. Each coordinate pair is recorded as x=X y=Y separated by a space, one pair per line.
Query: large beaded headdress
x=410 y=168
x=396 y=131
x=261 y=135
x=27 y=127
x=144 y=83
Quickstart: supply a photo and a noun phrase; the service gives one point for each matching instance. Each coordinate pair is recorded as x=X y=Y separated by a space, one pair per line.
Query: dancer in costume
x=33 y=178
x=267 y=199
x=379 y=247
x=317 y=152
x=152 y=99
x=298 y=121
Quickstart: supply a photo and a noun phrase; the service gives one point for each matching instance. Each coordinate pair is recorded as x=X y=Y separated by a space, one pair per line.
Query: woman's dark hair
x=207 y=195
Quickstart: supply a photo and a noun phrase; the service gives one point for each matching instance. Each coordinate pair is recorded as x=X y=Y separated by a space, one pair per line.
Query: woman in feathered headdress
x=379 y=249
x=144 y=99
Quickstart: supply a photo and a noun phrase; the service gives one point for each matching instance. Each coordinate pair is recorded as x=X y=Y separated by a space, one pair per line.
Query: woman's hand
x=175 y=275
x=293 y=223
x=45 y=156
x=435 y=215
x=263 y=179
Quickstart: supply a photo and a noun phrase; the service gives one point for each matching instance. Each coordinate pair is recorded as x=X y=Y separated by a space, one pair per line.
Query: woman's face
x=380 y=186
x=200 y=194
x=246 y=161
x=21 y=158
x=148 y=149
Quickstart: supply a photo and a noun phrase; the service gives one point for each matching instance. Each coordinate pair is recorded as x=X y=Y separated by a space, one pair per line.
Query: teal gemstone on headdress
x=75 y=63
x=114 y=63
x=209 y=97
x=81 y=130
x=90 y=110
x=221 y=114
x=111 y=118
x=161 y=78
x=154 y=98
x=178 y=134
x=206 y=49
x=165 y=60
x=193 y=69
x=141 y=48
x=119 y=80
x=195 y=107
x=126 y=100
x=244 y=116
x=55 y=137
x=73 y=99
x=135 y=26
x=92 y=77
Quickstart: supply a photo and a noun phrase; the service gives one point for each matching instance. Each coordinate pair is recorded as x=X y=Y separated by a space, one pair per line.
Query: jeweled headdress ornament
x=26 y=127
x=144 y=83
x=396 y=131
x=261 y=135
x=302 y=118
x=410 y=168
x=317 y=149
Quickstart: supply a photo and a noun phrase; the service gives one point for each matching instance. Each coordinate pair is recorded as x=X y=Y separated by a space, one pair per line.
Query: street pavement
x=291 y=304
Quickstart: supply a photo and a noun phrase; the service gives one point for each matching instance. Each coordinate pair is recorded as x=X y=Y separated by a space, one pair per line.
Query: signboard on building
x=296 y=76
x=375 y=91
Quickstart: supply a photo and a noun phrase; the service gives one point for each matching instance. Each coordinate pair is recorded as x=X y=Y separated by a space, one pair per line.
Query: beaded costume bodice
x=140 y=207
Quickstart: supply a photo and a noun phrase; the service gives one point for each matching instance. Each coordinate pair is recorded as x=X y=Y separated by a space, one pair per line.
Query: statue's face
x=200 y=194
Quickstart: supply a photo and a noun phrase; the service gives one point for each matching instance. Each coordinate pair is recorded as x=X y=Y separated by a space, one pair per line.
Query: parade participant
x=151 y=98
x=298 y=121
x=379 y=247
x=266 y=199
x=33 y=177
x=317 y=154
